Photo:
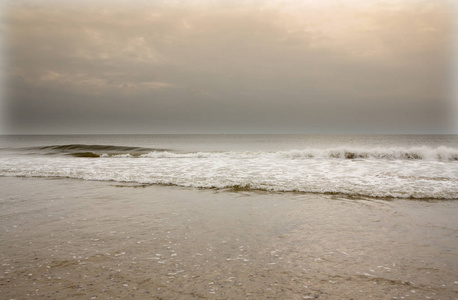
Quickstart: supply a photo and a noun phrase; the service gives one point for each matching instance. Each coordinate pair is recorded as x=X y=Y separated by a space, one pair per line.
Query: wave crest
x=420 y=153
x=442 y=153
x=427 y=153
x=93 y=148
x=94 y=151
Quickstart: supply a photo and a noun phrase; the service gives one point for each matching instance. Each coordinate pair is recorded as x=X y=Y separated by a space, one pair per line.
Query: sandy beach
x=77 y=239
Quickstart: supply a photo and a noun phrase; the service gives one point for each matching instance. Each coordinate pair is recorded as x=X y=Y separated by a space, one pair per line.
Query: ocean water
x=174 y=216
x=381 y=166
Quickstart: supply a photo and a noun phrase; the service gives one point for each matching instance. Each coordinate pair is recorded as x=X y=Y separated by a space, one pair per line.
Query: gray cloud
x=206 y=66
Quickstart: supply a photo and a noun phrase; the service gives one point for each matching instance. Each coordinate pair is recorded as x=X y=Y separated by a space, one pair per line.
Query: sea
x=376 y=166
x=229 y=217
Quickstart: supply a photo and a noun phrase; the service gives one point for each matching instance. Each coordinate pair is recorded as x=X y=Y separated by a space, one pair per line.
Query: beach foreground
x=63 y=238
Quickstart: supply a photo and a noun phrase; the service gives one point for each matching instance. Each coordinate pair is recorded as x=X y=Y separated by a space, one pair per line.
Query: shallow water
x=66 y=238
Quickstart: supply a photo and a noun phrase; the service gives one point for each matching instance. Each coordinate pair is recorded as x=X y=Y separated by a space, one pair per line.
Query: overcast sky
x=310 y=66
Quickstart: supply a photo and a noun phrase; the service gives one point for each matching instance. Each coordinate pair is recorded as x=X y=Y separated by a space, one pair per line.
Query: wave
x=95 y=155
x=388 y=153
x=393 y=153
x=351 y=188
x=94 y=151
x=387 y=172
x=419 y=153
x=83 y=147
x=85 y=154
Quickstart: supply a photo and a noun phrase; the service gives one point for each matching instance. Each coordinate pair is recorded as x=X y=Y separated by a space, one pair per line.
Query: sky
x=207 y=66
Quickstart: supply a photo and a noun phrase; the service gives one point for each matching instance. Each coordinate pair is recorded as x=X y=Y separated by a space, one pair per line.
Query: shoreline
x=64 y=238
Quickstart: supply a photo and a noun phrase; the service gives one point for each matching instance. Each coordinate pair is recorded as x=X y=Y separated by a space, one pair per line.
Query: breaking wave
x=390 y=153
x=421 y=172
x=420 y=153
x=83 y=147
x=427 y=153
x=82 y=150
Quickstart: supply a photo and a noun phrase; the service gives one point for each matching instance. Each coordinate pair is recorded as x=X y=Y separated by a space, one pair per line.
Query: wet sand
x=102 y=240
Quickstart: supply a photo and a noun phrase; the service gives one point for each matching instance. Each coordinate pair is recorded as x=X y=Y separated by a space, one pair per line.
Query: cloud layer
x=228 y=66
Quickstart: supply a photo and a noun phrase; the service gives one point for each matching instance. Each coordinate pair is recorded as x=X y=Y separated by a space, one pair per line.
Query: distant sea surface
x=380 y=166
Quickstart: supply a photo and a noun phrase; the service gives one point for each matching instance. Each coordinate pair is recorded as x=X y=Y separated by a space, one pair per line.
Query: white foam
x=430 y=173
x=391 y=153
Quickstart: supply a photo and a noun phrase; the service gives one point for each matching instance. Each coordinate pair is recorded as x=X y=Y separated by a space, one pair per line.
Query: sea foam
x=394 y=153
x=420 y=172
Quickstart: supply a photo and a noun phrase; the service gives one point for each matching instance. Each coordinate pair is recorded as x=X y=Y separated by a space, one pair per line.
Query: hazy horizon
x=215 y=67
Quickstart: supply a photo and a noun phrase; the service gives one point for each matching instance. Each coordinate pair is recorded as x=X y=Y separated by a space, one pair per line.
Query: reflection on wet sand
x=67 y=238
